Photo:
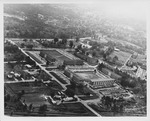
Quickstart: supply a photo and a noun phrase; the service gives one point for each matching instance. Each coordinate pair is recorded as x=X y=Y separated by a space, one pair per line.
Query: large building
x=89 y=75
x=61 y=57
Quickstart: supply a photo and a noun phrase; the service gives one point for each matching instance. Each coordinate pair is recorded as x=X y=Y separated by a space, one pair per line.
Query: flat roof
x=60 y=55
x=93 y=76
x=87 y=75
x=57 y=55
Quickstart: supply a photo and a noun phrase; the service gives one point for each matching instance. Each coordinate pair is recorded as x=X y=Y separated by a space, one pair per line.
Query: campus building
x=89 y=75
x=61 y=57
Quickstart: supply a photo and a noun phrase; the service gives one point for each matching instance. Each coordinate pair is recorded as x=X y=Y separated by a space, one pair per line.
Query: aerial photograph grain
x=75 y=59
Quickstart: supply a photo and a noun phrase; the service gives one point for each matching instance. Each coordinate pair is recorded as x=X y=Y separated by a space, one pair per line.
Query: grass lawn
x=56 y=55
x=75 y=109
x=63 y=58
x=122 y=56
x=34 y=95
x=63 y=110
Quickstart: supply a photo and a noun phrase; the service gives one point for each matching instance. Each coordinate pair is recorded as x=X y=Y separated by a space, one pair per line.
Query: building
x=89 y=75
x=60 y=56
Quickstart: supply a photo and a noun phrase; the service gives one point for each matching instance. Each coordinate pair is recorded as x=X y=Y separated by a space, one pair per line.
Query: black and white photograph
x=74 y=59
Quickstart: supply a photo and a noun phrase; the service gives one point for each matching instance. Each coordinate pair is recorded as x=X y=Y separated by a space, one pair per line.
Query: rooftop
x=89 y=73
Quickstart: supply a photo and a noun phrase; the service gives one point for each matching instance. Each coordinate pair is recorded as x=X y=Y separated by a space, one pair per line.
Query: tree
x=25 y=107
x=100 y=66
x=77 y=39
x=22 y=45
x=29 y=61
x=136 y=90
x=132 y=83
x=22 y=92
x=101 y=52
x=70 y=92
x=104 y=56
x=5 y=105
x=11 y=48
x=107 y=101
x=115 y=58
x=128 y=82
x=94 y=53
x=7 y=98
x=47 y=62
x=71 y=44
x=19 y=56
x=87 y=53
x=56 y=40
x=30 y=46
x=64 y=41
x=43 y=109
x=30 y=106
x=83 y=51
x=79 y=47
x=72 y=84
x=114 y=109
x=109 y=50
x=25 y=40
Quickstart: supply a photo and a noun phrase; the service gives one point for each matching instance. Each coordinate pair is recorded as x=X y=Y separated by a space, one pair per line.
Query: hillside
x=67 y=21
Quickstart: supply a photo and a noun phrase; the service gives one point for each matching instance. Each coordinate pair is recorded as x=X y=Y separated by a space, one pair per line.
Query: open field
x=57 y=55
x=63 y=110
x=87 y=75
x=102 y=111
x=122 y=56
x=35 y=95
x=91 y=75
x=124 y=43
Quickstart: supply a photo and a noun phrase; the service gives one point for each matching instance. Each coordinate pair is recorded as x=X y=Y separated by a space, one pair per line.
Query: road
x=9 y=82
x=86 y=105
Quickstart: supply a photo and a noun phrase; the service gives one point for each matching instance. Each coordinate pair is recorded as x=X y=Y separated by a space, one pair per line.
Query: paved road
x=9 y=82
x=86 y=105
